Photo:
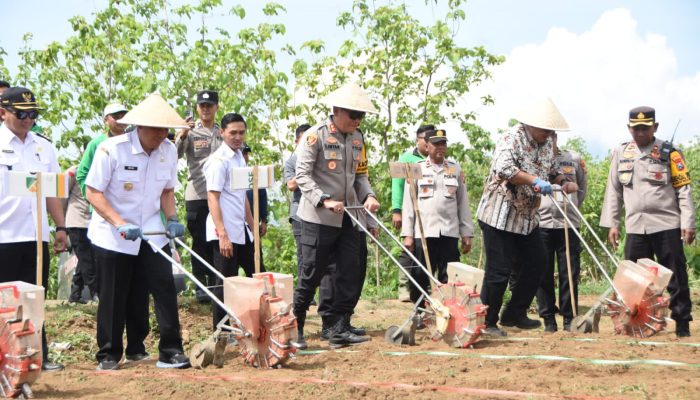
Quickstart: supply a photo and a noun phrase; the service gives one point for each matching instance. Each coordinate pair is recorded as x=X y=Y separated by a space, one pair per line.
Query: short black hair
x=5 y=84
x=424 y=128
x=232 y=117
x=301 y=129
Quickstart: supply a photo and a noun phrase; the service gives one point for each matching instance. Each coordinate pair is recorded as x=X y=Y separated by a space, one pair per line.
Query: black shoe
x=355 y=330
x=300 y=343
x=106 y=365
x=77 y=300
x=48 y=366
x=340 y=335
x=682 y=329
x=178 y=361
x=137 y=357
x=567 y=323
x=494 y=331
x=522 y=322
x=325 y=334
x=202 y=297
x=550 y=325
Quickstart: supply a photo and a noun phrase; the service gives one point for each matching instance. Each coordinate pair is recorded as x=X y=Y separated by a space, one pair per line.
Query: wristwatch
x=61 y=229
x=324 y=197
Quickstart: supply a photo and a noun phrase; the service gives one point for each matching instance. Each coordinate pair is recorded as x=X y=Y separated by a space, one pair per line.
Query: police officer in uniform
x=651 y=179
x=444 y=205
x=328 y=157
x=572 y=166
x=196 y=143
x=230 y=218
x=133 y=178
x=24 y=150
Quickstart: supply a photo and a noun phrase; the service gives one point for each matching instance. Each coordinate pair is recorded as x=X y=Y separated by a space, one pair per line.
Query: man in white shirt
x=23 y=150
x=229 y=210
x=132 y=178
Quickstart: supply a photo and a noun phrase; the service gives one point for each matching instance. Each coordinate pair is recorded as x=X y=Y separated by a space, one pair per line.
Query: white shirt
x=132 y=181
x=217 y=171
x=18 y=214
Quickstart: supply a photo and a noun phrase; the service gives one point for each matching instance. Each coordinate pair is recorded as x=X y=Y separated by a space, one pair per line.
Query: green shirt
x=411 y=156
x=86 y=161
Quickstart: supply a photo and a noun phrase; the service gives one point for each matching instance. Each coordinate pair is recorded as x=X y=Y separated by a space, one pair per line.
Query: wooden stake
x=256 y=219
x=376 y=262
x=568 y=261
x=39 y=232
x=424 y=243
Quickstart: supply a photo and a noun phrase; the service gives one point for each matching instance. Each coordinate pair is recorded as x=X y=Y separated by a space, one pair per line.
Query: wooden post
x=424 y=243
x=376 y=262
x=568 y=261
x=39 y=232
x=256 y=219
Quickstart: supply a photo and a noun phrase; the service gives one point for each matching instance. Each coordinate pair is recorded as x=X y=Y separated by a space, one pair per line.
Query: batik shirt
x=506 y=206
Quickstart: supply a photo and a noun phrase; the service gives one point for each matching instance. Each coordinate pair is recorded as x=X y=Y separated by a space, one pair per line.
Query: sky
x=596 y=59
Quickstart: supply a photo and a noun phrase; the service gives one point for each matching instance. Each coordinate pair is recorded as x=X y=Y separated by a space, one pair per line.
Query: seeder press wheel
x=467 y=316
x=20 y=354
x=271 y=347
x=644 y=319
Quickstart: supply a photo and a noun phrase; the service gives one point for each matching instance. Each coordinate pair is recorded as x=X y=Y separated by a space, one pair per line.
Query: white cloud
x=595 y=78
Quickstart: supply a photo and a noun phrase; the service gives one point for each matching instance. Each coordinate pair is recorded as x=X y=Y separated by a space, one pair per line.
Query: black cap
x=5 y=84
x=19 y=98
x=246 y=148
x=208 y=96
x=436 y=135
x=642 y=116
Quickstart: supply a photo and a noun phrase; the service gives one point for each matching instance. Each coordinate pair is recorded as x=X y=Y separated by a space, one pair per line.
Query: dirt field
x=524 y=365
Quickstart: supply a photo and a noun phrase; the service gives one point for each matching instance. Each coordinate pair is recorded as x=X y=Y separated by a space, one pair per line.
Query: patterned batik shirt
x=506 y=206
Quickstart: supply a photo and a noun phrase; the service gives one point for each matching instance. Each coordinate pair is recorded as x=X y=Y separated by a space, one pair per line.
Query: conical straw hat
x=542 y=114
x=154 y=112
x=351 y=97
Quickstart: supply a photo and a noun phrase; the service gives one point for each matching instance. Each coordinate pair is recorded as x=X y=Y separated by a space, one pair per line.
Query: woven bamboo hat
x=154 y=112
x=351 y=97
x=542 y=114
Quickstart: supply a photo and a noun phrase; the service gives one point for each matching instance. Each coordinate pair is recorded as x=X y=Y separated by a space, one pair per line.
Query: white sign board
x=399 y=170
x=242 y=178
x=21 y=183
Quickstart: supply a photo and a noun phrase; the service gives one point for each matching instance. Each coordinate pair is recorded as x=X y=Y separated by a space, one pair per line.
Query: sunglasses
x=118 y=115
x=21 y=114
x=355 y=114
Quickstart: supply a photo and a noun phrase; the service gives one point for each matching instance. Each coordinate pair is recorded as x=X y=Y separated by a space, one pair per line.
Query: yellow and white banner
x=20 y=183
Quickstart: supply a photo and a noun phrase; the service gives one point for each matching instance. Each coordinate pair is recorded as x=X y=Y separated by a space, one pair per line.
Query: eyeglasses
x=118 y=115
x=21 y=114
x=355 y=114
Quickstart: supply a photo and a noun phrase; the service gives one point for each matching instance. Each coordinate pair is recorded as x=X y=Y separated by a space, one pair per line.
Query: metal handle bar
x=192 y=252
x=388 y=253
x=199 y=284
x=590 y=251
x=612 y=257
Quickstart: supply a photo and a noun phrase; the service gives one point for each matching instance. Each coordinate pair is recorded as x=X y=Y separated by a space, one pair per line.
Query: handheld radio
x=667 y=146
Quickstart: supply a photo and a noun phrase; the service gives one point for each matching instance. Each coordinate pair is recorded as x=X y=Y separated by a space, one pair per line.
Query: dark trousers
x=19 y=264
x=555 y=251
x=86 y=270
x=243 y=256
x=325 y=292
x=667 y=246
x=510 y=253
x=125 y=282
x=442 y=250
x=321 y=246
x=197 y=212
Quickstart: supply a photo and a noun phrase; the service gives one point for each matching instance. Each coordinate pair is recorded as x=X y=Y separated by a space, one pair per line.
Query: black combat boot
x=355 y=330
x=327 y=323
x=340 y=335
x=300 y=343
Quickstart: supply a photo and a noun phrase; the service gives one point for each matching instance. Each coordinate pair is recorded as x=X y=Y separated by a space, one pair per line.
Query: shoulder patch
x=311 y=139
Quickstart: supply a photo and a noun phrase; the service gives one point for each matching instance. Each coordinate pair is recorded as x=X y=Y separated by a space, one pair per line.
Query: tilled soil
x=526 y=364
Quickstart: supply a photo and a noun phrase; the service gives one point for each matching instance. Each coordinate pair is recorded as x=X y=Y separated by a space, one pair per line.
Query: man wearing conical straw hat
x=133 y=178
x=328 y=156
x=523 y=169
